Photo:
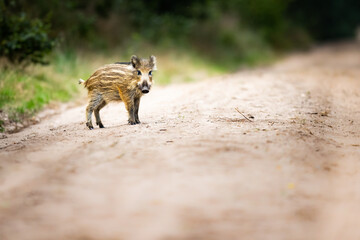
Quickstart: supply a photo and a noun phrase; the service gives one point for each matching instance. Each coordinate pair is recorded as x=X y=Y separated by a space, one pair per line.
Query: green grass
x=24 y=92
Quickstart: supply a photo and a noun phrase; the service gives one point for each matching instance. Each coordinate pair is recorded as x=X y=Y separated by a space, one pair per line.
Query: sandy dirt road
x=195 y=168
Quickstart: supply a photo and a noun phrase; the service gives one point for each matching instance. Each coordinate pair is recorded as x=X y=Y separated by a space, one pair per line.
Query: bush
x=23 y=40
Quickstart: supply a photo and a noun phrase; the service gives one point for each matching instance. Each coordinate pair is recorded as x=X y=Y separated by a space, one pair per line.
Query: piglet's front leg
x=131 y=111
x=136 y=109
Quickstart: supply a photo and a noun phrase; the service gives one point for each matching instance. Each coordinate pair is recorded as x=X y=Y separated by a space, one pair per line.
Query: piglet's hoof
x=89 y=126
x=132 y=122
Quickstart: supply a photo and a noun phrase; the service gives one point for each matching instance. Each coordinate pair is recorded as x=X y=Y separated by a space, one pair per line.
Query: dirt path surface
x=195 y=168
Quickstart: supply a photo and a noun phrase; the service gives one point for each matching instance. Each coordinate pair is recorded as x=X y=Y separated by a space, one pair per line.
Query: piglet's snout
x=145 y=88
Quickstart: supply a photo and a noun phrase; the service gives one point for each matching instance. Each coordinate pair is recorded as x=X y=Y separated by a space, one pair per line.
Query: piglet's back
x=108 y=75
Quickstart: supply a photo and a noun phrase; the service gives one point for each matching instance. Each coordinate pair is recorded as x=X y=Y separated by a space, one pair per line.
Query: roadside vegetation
x=45 y=46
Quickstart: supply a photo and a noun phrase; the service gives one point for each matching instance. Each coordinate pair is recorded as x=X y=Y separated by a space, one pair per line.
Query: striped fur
x=119 y=82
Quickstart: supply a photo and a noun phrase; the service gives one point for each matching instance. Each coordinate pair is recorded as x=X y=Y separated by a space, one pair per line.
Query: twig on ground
x=242 y=114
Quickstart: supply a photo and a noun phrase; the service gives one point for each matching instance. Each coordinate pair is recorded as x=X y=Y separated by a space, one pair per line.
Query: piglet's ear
x=135 y=61
x=152 y=60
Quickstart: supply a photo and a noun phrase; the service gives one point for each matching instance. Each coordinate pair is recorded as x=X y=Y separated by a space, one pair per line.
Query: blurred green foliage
x=233 y=30
x=327 y=20
x=22 y=40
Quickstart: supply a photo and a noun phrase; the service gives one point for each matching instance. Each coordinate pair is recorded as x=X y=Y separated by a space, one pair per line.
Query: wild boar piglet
x=120 y=81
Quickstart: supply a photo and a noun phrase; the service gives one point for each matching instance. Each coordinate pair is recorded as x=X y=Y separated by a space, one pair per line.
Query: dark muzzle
x=145 y=88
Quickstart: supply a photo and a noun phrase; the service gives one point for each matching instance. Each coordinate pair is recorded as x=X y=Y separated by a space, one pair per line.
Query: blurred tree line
x=232 y=29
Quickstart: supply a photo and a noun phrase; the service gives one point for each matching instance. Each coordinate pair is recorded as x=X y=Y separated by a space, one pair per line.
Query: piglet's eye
x=150 y=73
x=138 y=72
